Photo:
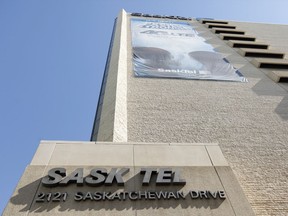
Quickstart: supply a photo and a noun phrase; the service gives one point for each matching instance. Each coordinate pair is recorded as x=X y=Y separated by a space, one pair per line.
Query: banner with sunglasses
x=175 y=50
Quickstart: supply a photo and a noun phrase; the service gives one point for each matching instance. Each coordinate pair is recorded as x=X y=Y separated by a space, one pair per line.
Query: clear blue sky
x=52 y=56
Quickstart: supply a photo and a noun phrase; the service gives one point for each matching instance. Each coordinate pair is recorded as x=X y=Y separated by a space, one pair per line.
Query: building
x=175 y=145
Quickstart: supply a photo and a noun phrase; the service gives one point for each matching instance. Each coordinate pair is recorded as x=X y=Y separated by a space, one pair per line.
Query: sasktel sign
x=100 y=177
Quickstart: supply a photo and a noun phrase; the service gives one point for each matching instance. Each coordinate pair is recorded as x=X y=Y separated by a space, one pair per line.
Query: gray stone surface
x=216 y=156
x=43 y=154
x=235 y=194
x=128 y=154
x=248 y=120
x=160 y=155
x=201 y=178
x=196 y=163
x=91 y=154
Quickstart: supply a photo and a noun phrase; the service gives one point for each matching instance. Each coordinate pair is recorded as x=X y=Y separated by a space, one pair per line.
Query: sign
x=174 y=49
x=160 y=16
x=100 y=177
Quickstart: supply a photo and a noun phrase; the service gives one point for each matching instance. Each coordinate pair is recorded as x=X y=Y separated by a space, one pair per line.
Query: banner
x=175 y=50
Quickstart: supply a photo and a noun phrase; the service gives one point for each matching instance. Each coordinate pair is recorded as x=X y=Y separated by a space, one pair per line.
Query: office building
x=192 y=119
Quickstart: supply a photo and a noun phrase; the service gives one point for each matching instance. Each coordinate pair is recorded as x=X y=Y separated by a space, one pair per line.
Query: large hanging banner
x=175 y=50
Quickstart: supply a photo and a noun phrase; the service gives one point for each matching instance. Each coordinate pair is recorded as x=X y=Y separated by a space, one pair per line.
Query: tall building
x=192 y=119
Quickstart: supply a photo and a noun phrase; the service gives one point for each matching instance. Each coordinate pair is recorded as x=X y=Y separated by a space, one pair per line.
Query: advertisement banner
x=175 y=50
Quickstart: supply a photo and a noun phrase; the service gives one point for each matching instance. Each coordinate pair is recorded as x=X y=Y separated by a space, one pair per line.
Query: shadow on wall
x=88 y=204
x=282 y=108
x=263 y=87
x=269 y=88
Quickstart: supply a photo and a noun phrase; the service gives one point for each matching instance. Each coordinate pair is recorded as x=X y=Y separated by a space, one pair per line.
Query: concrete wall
x=202 y=165
x=248 y=120
x=111 y=117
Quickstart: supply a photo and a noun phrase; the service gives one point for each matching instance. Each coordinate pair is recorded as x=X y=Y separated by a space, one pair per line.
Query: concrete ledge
x=216 y=156
x=260 y=53
x=214 y=21
x=171 y=156
x=227 y=31
x=43 y=154
x=247 y=44
x=278 y=76
x=194 y=144
x=47 y=142
x=129 y=154
x=224 y=36
x=270 y=63
x=209 y=25
x=100 y=155
x=236 y=195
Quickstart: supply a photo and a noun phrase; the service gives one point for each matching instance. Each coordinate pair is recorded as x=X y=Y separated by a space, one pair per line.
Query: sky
x=52 y=58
